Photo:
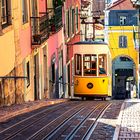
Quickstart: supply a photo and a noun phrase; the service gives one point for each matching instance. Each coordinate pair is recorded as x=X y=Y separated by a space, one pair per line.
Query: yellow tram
x=92 y=63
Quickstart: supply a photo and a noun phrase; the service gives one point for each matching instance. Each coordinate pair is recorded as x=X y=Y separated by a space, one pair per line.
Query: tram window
x=102 y=64
x=78 y=64
x=90 y=65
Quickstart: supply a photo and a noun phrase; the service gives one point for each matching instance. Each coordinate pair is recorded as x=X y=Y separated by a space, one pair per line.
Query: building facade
x=71 y=35
x=35 y=51
x=120 y=19
x=15 y=25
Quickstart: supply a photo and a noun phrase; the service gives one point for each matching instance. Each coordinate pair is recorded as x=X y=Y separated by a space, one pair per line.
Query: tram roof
x=90 y=42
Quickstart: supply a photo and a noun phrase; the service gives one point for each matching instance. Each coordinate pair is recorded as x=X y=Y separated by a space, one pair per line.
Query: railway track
x=68 y=121
x=37 y=115
x=79 y=127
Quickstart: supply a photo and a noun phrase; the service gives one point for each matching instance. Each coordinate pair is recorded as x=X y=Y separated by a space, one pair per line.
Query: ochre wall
x=130 y=51
x=7 y=53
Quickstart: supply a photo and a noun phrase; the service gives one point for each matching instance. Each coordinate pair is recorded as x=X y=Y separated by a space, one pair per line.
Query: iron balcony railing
x=40 y=29
x=56 y=20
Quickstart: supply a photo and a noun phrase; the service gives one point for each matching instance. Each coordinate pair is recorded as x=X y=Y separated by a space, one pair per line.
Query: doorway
x=122 y=68
x=60 y=70
x=52 y=74
x=36 y=77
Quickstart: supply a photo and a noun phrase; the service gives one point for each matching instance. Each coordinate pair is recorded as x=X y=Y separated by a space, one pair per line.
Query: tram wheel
x=103 y=98
x=83 y=98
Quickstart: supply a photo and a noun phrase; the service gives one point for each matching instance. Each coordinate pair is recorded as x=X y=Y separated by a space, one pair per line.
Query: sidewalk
x=128 y=126
x=16 y=109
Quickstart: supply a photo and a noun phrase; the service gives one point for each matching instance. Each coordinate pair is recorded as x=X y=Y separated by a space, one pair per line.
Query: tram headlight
x=90 y=85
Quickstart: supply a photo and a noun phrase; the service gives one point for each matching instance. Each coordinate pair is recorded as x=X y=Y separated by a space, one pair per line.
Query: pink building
x=72 y=35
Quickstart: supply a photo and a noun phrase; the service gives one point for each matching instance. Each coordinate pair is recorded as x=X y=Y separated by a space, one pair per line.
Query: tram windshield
x=90 y=65
x=102 y=64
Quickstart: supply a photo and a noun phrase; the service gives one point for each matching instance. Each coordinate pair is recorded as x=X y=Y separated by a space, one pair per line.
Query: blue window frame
x=122 y=41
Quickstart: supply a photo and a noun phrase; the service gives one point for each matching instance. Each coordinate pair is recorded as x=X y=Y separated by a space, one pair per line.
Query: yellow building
x=120 y=20
x=13 y=49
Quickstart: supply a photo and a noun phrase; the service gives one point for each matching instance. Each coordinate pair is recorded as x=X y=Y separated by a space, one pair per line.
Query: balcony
x=40 y=29
x=56 y=20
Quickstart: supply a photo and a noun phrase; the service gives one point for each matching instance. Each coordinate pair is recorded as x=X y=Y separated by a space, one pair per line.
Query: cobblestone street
x=121 y=118
x=128 y=127
x=17 y=109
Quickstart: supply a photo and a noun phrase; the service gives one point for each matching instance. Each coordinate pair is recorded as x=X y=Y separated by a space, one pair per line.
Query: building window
x=5 y=12
x=122 y=20
x=122 y=41
x=68 y=23
x=78 y=64
x=28 y=73
x=57 y=2
x=76 y=18
x=73 y=20
x=24 y=11
x=90 y=65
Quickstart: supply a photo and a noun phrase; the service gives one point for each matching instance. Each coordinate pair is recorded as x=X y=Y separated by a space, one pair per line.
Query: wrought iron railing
x=56 y=20
x=40 y=29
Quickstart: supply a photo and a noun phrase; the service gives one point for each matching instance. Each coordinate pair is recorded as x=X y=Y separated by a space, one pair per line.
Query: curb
x=31 y=108
x=118 y=124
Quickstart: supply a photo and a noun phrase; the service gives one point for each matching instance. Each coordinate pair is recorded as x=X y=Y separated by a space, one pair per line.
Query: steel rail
x=70 y=136
x=60 y=126
x=56 y=107
x=30 y=117
x=94 y=124
x=37 y=134
x=35 y=122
